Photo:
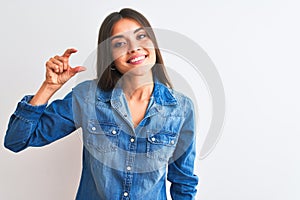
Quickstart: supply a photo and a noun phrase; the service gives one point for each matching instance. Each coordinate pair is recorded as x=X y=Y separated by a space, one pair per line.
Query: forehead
x=125 y=25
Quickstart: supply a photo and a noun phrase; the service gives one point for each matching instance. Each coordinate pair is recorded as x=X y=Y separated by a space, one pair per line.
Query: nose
x=133 y=47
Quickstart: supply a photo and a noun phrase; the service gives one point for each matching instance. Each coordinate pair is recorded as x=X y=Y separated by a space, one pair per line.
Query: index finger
x=68 y=52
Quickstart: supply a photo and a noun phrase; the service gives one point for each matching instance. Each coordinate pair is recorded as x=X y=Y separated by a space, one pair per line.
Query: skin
x=58 y=72
x=129 y=40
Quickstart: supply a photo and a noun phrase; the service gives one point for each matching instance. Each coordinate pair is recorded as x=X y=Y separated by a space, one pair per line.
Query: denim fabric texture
x=120 y=161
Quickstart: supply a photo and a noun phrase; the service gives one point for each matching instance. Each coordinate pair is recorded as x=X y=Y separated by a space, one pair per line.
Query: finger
x=52 y=66
x=64 y=61
x=76 y=70
x=60 y=65
x=69 y=52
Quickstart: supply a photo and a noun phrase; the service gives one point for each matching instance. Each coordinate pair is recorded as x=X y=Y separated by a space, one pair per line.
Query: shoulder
x=181 y=98
x=84 y=86
x=169 y=96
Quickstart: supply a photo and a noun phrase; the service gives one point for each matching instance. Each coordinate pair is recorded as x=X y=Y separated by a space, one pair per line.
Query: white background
x=255 y=47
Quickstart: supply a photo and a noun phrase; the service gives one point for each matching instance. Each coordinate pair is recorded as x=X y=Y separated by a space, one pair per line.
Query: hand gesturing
x=58 y=70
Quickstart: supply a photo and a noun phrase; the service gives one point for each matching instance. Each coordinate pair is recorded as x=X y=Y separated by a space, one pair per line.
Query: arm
x=34 y=124
x=39 y=125
x=181 y=170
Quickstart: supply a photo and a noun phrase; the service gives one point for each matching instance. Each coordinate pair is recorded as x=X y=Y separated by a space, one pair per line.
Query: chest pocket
x=161 y=145
x=101 y=137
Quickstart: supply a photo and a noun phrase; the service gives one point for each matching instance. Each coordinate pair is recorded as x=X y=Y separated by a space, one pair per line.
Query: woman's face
x=132 y=49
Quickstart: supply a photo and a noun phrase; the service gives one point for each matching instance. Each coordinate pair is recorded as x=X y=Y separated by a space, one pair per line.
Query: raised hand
x=58 y=70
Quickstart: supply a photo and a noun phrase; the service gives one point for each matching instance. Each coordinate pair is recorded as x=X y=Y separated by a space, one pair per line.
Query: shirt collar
x=161 y=94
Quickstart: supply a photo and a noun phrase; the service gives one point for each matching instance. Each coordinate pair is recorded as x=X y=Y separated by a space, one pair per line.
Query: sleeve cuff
x=27 y=111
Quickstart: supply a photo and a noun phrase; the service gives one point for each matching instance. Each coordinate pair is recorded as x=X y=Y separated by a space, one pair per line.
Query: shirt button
x=172 y=142
x=128 y=168
x=114 y=132
x=131 y=139
x=93 y=128
x=125 y=194
x=153 y=139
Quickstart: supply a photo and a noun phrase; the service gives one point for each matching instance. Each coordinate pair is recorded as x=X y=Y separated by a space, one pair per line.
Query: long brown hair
x=108 y=77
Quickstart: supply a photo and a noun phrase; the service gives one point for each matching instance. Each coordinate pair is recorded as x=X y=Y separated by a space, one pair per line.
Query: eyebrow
x=121 y=36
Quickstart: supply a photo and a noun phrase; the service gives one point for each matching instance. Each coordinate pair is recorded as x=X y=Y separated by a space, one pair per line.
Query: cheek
x=148 y=44
x=118 y=56
x=152 y=55
x=118 y=61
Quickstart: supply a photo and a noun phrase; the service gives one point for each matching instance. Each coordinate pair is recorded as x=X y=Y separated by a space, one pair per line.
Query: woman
x=134 y=124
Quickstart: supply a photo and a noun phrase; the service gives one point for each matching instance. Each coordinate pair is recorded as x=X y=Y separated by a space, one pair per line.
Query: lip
x=137 y=59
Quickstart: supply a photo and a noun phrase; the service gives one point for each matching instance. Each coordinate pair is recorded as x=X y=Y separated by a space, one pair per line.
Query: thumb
x=76 y=70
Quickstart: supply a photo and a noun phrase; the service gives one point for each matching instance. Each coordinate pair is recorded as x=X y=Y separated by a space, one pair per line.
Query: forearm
x=39 y=125
x=45 y=92
x=22 y=124
x=182 y=177
x=32 y=124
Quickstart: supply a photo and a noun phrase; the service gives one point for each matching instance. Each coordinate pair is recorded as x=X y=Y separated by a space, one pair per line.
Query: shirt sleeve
x=39 y=125
x=181 y=169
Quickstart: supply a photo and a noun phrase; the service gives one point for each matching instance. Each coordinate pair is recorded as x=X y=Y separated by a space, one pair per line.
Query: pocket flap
x=163 y=138
x=95 y=127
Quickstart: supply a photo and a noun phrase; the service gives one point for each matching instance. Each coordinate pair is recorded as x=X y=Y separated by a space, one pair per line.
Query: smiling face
x=132 y=49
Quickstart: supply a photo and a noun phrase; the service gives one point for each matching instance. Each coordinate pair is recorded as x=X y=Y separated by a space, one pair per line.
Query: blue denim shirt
x=120 y=161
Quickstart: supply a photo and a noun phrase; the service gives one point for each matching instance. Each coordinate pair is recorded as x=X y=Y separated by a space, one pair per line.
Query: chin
x=140 y=70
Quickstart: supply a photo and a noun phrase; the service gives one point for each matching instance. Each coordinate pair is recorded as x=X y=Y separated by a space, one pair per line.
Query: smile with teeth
x=137 y=59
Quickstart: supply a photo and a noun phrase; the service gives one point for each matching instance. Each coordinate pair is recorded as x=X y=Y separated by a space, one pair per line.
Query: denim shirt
x=120 y=161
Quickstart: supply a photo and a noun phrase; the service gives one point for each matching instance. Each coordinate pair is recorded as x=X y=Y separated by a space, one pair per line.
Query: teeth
x=137 y=59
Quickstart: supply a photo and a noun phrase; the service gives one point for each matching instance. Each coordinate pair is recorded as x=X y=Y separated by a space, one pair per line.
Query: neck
x=138 y=88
